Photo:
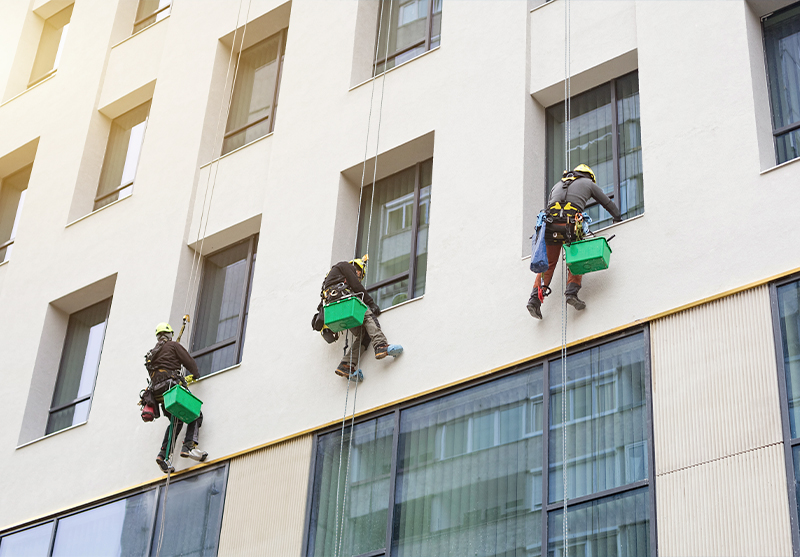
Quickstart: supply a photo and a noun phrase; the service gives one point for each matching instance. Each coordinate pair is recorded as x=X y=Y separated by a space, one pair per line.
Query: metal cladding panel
x=714 y=381
x=265 y=503
x=733 y=506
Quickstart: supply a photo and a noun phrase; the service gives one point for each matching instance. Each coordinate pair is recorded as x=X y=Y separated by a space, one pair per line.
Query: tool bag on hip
x=560 y=227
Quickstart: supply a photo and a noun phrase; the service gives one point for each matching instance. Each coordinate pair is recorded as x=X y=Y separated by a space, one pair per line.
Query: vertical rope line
x=170 y=448
x=195 y=255
x=350 y=441
x=341 y=452
x=564 y=274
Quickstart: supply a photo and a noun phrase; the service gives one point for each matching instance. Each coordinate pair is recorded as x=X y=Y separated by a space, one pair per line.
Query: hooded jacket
x=579 y=191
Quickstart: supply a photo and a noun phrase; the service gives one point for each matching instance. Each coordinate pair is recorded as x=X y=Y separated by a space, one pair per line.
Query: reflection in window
x=79 y=362
x=255 y=94
x=12 y=197
x=222 y=307
x=122 y=156
x=412 y=27
x=399 y=218
x=782 y=45
x=51 y=45
x=149 y=12
x=606 y=135
x=33 y=542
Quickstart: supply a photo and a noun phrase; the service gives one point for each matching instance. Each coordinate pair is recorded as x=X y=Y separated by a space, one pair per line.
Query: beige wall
x=480 y=93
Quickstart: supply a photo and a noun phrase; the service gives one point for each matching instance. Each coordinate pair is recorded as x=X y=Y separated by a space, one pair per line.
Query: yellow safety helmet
x=585 y=169
x=361 y=263
x=163 y=328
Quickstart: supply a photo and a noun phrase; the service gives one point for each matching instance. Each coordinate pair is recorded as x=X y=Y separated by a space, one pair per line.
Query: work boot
x=345 y=369
x=190 y=450
x=571 y=295
x=385 y=349
x=161 y=460
x=535 y=306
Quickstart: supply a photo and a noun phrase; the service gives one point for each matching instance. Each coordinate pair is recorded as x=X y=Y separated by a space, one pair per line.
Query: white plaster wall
x=701 y=160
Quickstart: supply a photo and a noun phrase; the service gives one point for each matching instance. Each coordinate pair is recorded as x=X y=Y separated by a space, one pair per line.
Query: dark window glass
x=605 y=133
x=789 y=315
x=397 y=215
x=782 y=45
x=411 y=28
x=222 y=307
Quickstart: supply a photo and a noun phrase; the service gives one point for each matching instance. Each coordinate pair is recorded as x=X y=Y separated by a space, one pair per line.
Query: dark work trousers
x=553 y=256
x=192 y=432
x=373 y=329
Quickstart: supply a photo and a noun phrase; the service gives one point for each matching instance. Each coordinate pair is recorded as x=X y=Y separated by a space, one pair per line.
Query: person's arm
x=607 y=204
x=355 y=285
x=187 y=360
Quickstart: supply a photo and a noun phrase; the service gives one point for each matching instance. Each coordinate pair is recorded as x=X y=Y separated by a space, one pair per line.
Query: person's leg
x=189 y=449
x=571 y=291
x=543 y=280
x=349 y=363
x=161 y=458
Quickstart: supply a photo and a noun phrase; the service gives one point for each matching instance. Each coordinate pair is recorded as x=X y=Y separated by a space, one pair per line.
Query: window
x=12 y=197
x=130 y=525
x=122 y=156
x=398 y=236
x=149 y=12
x=474 y=472
x=786 y=316
x=222 y=307
x=51 y=45
x=413 y=27
x=606 y=135
x=78 y=369
x=782 y=46
x=255 y=93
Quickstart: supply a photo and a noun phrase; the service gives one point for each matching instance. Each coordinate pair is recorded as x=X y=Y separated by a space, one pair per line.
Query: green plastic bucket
x=588 y=255
x=345 y=314
x=182 y=404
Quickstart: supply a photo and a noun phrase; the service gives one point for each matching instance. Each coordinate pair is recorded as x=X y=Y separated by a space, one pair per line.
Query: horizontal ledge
x=34 y=86
x=51 y=434
x=212 y=161
x=140 y=31
x=776 y=167
x=223 y=370
x=412 y=300
x=98 y=210
x=154 y=14
x=394 y=68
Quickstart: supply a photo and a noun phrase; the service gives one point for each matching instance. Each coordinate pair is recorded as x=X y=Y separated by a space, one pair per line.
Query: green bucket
x=182 y=404
x=345 y=314
x=588 y=255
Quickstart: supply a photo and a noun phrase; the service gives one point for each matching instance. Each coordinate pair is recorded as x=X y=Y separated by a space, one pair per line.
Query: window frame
x=785 y=129
x=543 y=505
x=243 y=307
x=379 y=60
x=157 y=486
x=17 y=214
x=789 y=443
x=152 y=15
x=59 y=49
x=411 y=274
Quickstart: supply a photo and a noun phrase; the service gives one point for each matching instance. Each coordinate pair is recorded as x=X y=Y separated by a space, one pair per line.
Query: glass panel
x=436 y=23
x=224 y=281
x=79 y=362
x=121 y=528
x=390 y=295
x=789 y=315
x=629 y=137
x=425 y=179
x=12 y=197
x=34 y=542
x=51 y=44
x=256 y=79
x=788 y=146
x=406 y=26
x=782 y=42
x=607 y=431
x=361 y=526
x=795 y=460
x=617 y=526
x=122 y=154
x=221 y=358
x=193 y=517
x=148 y=7
x=469 y=472
x=67 y=417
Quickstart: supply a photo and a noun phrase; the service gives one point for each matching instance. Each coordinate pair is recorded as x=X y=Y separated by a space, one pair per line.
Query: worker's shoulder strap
x=153 y=353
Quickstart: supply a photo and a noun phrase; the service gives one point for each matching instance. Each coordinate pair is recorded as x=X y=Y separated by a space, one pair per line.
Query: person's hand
x=189 y=379
x=376 y=311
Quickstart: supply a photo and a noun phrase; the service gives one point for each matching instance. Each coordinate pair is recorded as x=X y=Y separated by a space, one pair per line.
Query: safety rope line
x=564 y=274
x=169 y=455
x=339 y=539
x=194 y=273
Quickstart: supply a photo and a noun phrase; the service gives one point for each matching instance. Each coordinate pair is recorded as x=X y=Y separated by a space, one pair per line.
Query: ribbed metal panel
x=733 y=506
x=265 y=502
x=715 y=382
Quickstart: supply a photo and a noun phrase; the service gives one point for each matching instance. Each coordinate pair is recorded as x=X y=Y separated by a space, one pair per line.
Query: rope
x=170 y=447
x=564 y=274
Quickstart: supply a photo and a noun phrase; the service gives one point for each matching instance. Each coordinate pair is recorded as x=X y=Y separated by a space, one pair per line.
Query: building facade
x=215 y=159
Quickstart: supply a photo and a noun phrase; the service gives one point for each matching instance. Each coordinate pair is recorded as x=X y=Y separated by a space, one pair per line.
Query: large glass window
x=782 y=45
x=412 y=27
x=464 y=474
x=149 y=12
x=605 y=133
x=255 y=93
x=122 y=156
x=130 y=526
x=51 y=45
x=12 y=197
x=222 y=307
x=397 y=216
x=78 y=369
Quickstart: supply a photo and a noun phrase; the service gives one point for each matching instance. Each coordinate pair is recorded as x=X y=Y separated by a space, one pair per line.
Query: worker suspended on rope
x=163 y=363
x=342 y=280
x=562 y=224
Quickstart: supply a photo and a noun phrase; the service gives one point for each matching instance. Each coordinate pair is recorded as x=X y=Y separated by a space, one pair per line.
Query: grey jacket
x=579 y=192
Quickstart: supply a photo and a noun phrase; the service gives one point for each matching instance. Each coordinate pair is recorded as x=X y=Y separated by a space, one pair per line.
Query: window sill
x=209 y=163
x=776 y=167
x=34 y=86
x=203 y=378
x=4 y=262
x=48 y=436
x=542 y=5
x=411 y=301
x=609 y=227
x=434 y=49
x=104 y=207
x=140 y=31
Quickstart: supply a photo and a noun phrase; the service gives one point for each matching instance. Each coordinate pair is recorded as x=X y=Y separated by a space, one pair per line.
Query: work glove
x=189 y=379
x=376 y=311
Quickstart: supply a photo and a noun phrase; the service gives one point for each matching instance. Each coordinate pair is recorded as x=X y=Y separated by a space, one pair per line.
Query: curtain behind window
x=782 y=43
